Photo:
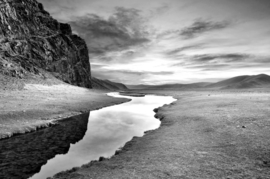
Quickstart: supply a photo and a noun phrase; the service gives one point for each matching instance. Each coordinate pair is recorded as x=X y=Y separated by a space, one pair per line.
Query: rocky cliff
x=32 y=44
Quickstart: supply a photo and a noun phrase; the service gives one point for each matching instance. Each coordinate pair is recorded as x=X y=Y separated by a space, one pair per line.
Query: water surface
x=82 y=139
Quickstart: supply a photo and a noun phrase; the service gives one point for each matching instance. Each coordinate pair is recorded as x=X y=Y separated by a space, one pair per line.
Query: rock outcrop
x=33 y=44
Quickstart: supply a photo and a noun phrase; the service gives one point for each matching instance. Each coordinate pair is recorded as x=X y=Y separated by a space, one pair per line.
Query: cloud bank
x=170 y=41
x=201 y=26
x=120 y=31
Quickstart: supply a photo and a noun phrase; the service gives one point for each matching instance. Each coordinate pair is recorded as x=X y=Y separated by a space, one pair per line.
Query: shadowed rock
x=32 y=43
x=22 y=156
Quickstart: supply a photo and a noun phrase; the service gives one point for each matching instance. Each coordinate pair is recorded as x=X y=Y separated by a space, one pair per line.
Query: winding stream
x=79 y=140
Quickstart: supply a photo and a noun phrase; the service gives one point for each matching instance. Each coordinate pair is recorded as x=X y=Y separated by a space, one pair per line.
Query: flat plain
x=205 y=134
x=37 y=106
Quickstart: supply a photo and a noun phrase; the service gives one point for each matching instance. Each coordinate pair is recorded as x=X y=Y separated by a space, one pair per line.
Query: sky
x=170 y=41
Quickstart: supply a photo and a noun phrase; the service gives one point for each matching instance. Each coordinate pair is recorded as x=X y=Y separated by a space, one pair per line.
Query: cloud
x=123 y=46
x=130 y=20
x=201 y=26
x=123 y=30
x=167 y=34
x=211 y=67
x=234 y=57
x=124 y=56
x=140 y=73
x=154 y=13
x=214 y=60
x=223 y=62
x=184 y=48
x=58 y=7
x=180 y=55
x=126 y=76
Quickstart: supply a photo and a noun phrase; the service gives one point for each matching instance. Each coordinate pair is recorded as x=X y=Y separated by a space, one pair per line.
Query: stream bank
x=201 y=136
x=39 y=106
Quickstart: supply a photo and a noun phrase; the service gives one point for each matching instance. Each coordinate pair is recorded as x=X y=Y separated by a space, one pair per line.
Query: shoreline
x=50 y=104
x=128 y=144
x=53 y=121
x=47 y=143
x=198 y=146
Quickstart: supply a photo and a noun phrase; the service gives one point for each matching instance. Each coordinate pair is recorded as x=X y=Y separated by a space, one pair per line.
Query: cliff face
x=32 y=43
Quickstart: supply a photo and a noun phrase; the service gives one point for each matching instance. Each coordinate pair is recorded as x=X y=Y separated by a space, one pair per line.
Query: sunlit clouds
x=170 y=41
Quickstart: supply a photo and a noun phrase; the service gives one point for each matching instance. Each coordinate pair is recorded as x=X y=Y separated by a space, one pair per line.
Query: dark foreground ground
x=37 y=105
x=217 y=134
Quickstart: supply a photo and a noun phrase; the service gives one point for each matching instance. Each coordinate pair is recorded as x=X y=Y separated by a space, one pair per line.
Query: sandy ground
x=39 y=106
x=204 y=135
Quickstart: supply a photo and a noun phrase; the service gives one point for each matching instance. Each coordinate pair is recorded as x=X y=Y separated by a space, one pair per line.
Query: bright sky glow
x=188 y=41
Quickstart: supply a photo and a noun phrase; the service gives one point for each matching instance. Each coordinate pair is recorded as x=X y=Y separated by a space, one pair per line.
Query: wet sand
x=205 y=134
x=38 y=106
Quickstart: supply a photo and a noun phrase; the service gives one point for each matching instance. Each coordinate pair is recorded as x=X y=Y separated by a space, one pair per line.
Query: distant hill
x=138 y=86
x=170 y=86
x=239 y=82
x=107 y=85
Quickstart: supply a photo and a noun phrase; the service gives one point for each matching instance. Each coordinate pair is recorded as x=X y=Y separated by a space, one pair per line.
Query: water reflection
x=22 y=156
x=108 y=130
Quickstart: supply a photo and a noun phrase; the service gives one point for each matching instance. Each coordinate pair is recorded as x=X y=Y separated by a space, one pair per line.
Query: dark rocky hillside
x=33 y=45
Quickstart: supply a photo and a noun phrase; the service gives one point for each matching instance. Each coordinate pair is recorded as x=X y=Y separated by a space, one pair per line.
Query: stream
x=80 y=139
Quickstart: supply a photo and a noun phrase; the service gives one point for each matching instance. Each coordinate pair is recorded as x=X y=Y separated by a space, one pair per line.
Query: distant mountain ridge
x=239 y=82
x=170 y=86
x=246 y=81
x=107 y=85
